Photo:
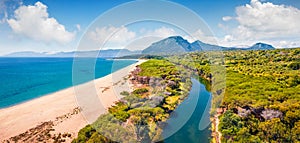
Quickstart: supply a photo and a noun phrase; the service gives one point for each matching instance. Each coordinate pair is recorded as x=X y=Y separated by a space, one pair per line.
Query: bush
x=140 y=91
x=119 y=111
x=294 y=66
x=124 y=93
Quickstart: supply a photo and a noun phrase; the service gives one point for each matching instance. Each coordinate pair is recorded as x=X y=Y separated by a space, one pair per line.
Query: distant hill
x=26 y=54
x=205 y=47
x=171 y=45
x=177 y=44
x=110 y=53
x=261 y=46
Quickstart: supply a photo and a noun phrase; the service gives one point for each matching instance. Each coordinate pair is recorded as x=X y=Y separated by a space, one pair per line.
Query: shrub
x=140 y=91
x=124 y=93
x=294 y=66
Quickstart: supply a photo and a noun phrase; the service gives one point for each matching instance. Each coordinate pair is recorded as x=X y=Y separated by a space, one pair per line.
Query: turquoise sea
x=23 y=79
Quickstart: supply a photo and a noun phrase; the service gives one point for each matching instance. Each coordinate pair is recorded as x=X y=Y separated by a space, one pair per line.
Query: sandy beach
x=63 y=112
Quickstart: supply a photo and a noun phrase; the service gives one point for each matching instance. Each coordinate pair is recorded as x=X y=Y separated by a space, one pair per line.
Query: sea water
x=23 y=79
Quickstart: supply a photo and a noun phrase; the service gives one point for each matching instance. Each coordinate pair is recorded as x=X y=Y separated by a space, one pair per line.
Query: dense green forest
x=258 y=93
x=261 y=102
x=262 y=96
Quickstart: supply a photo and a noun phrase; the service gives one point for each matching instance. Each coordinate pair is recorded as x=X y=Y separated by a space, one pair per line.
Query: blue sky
x=58 y=25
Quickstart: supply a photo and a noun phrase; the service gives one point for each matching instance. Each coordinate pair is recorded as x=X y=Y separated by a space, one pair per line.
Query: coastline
x=60 y=108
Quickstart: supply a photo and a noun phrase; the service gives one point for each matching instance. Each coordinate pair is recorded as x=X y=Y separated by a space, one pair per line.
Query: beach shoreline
x=60 y=109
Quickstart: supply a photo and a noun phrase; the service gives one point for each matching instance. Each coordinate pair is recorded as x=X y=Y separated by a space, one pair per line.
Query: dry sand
x=59 y=106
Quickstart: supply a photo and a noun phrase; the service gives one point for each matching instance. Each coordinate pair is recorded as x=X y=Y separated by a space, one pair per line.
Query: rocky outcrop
x=270 y=114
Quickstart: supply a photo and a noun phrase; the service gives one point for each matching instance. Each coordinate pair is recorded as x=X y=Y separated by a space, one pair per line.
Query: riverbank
x=216 y=134
x=57 y=115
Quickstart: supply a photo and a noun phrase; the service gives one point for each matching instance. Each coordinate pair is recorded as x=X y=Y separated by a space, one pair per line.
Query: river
x=189 y=122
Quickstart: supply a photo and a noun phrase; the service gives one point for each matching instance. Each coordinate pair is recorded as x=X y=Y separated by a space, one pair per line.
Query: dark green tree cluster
x=89 y=135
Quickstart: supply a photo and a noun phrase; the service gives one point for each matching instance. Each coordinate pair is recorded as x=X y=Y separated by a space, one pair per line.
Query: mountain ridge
x=173 y=45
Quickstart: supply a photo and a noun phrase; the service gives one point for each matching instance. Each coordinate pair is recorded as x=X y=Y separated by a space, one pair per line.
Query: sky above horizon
x=59 y=25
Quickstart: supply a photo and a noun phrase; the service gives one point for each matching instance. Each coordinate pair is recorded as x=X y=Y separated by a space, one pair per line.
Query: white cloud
x=117 y=35
x=203 y=37
x=147 y=37
x=121 y=36
x=265 y=21
x=78 y=27
x=228 y=38
x=269 y=19
x=289 y=44
x=226 y=18
x=33 y=21
x=162 y=32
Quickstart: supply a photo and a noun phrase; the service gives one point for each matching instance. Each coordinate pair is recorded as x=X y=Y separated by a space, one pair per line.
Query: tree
x=230 y=125
x=272 y=130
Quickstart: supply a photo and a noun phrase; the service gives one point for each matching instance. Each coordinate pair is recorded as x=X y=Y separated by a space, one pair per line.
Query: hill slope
x=170 y=45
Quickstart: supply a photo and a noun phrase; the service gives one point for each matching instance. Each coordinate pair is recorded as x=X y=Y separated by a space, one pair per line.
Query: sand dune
x=62 y=107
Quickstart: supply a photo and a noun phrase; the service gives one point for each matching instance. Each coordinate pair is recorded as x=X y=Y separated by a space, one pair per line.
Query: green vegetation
x=263 y=81
x=124 y=93
x=158 y=68
x=89 y=135
x=210 y=70
x=294 y=66
x=140 y=91
x=138 y=115
x=119 y=111
x=262 y=96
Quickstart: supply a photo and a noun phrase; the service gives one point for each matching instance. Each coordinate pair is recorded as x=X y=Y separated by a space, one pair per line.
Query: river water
x=189 y=122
